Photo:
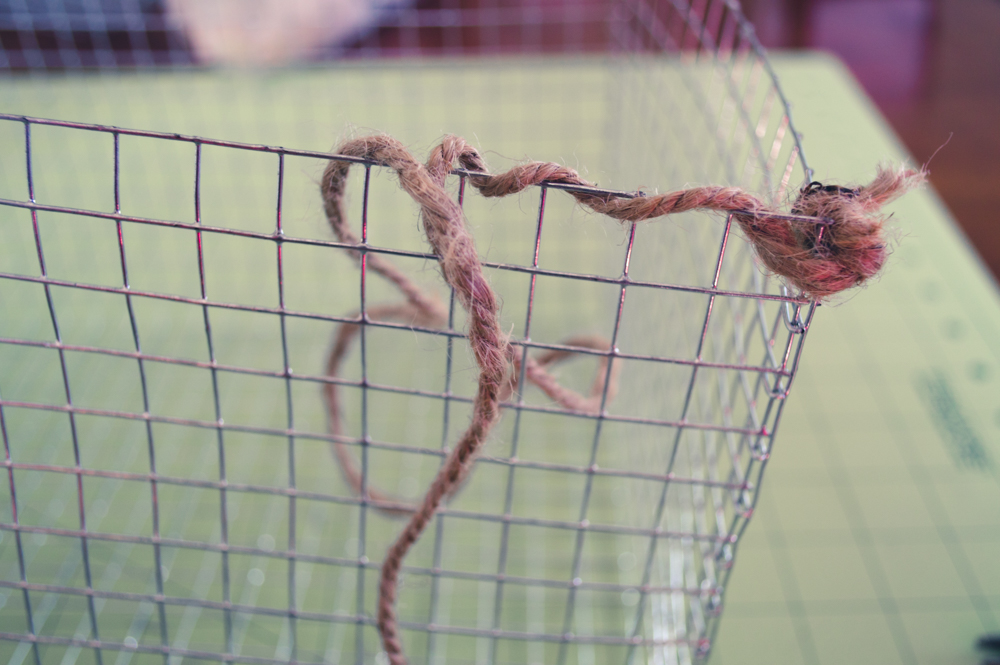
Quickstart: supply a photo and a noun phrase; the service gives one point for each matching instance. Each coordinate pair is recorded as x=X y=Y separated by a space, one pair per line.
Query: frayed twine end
x=823 y=259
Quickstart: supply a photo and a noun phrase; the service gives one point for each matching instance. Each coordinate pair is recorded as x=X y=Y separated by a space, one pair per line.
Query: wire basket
x=168 y=303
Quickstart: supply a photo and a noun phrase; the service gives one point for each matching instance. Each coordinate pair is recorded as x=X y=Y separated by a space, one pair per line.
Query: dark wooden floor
x=933 y=67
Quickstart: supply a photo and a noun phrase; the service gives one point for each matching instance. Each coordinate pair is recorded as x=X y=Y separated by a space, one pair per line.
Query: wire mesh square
x=169 y=301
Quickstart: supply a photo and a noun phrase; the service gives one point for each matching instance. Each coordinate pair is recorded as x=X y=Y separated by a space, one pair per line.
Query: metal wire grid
x=674 y=617
x=768 y=382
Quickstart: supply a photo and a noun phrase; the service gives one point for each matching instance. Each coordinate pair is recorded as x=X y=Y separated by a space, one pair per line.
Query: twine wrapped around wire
x=840 y=245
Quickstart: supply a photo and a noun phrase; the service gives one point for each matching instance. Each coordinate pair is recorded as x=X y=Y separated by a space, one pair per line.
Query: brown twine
x=422 y=309
x=535 y=372
x=849 y=250
x=842 y=248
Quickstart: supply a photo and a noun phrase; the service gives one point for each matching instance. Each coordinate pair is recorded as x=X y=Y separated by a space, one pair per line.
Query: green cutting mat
x=877 y=538
x=878 y=534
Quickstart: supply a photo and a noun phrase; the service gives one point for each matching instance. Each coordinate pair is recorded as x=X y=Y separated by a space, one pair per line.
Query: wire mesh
x=168 y=300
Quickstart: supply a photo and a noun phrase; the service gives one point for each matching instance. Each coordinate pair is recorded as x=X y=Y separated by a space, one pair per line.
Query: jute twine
x=841 y=248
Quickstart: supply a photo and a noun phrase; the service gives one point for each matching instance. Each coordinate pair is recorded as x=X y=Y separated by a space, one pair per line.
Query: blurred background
x=933 y=69
x=931 y=66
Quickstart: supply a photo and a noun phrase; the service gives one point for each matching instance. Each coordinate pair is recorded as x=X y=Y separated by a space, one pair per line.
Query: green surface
x=878 y=534
x=877 y=538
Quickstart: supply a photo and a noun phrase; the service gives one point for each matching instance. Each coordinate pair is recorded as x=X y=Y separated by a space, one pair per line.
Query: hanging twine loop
x=833 y=240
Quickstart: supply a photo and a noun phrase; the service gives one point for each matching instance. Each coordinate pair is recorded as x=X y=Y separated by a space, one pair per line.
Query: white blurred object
x=271 y=32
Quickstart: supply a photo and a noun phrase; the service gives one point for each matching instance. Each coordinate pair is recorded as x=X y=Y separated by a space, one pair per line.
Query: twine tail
x=449 y=476
x=447 y=234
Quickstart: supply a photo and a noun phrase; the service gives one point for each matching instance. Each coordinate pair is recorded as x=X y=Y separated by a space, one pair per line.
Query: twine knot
x=845 y=248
